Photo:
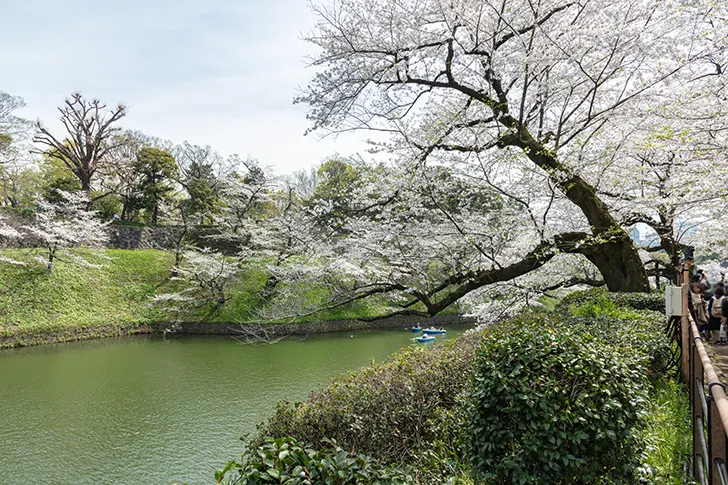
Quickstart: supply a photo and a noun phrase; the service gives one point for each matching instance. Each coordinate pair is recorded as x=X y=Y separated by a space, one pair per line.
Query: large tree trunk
x=617 y=258
x=620 y=266
x=85 y=178
x=620 y=262
x=665 y=229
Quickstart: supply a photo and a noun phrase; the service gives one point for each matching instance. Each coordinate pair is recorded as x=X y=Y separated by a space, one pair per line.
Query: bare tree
x=90 y=128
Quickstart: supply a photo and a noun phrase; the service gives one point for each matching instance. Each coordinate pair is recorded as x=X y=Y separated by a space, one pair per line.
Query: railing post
x=696 y=404
x=716 y=436
x=685 y=327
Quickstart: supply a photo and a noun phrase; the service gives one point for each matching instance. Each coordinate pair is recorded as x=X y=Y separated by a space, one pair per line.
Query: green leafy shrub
x=392 y=411
x=654 y=301
x=622 y=320
x=640 y=336
x=285 y=460
x=417 y=409
x=580 y=296
x=637 y=334
x=601 y=306
x=550 y=405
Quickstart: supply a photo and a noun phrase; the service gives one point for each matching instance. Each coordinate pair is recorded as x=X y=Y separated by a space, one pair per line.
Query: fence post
x=696 y=406
x=717 y=442
x=685 y=326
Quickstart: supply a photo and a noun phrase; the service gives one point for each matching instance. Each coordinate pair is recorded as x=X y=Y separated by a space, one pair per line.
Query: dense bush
x=636 y=333
x=554 y=406
x=391 y=411
x=586 y=365
x=285 y=460
x=654 y=301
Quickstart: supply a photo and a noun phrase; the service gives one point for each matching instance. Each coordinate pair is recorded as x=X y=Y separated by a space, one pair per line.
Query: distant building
x=635 y=234
x=645 y=238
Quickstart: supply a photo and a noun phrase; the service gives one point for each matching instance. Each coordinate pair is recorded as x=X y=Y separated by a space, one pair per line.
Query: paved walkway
x=719 y=356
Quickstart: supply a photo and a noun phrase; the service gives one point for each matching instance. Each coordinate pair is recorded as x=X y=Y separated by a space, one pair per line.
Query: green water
x=157 y=411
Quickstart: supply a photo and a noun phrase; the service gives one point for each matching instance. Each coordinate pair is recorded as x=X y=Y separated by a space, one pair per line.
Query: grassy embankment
x=79 y=302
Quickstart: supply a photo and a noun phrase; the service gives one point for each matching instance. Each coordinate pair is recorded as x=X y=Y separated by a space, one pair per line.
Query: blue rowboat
x=424 y=338
x=416 y=329
x=435 y=331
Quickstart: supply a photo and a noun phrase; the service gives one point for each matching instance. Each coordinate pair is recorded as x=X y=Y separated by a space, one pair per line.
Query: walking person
x=701 y=308
x=715 y=316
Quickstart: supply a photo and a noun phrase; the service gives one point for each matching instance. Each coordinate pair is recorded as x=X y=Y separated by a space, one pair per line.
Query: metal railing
x=708 y=402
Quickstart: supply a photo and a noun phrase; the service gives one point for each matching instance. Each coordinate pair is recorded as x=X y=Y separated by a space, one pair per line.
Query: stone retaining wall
x=135 y=237
x=165 y=237
x=280 y=330
x=272 y=331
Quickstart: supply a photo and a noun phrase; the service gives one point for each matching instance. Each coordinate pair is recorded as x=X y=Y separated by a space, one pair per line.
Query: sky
x=217 y=72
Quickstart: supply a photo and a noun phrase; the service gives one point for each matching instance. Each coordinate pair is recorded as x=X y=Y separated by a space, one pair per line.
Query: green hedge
x=654 y=301
x=636 y=334
x=554 y=405
x=416 y=407
x=393 y=411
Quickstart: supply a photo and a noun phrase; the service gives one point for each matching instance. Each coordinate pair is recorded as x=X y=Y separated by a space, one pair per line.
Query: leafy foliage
x=554 y=406
x=285 y=460
x=157 y=168
x=639 y=334
x=393 y=410
x=639 y=301
x=589 y=364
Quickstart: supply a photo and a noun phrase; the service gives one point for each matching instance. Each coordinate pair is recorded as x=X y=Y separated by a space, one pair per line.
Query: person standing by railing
x=701 y=308
x=716 y=320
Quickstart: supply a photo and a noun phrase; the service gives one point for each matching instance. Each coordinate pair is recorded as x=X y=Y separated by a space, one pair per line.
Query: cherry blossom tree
x=421 y=240
x=290 y=243
x=206 y=276
x=65 y=229
x=245 y=194
x=520 y=92
x=8 y=234
x=674 y=175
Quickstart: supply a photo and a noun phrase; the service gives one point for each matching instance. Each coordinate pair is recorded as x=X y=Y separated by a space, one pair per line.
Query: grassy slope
x=117 y=295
